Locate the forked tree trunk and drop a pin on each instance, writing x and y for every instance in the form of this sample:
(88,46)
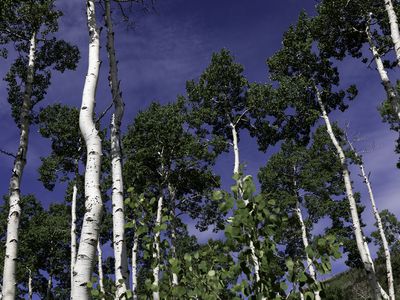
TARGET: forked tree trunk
(93,203)
(100,268)
(134,266)
(121,262)
(389,272)
(157,251)
(377,291)
(10,259)
(392,94)
(236,170)
(394,28)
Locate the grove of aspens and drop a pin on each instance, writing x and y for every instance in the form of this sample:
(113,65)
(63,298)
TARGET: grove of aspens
(155,199)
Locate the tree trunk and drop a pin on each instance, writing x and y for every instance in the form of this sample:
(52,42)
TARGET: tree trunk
(10,259)
(363,249)
(134,266)
(171,191)
(394,28)
(121,262)
(392,94)
(93,203)
(30,289)
(389,272)
(157,252)
(236,170)
(73,229)
(49,287)
(100,269)
(305,244)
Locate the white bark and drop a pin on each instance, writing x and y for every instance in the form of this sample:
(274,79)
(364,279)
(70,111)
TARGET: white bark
(121,262)
(100,268)
(49,286)
(156,246)
(10,259)
(30,289)
(236,165)
(392,94)
(305,244)
(93,203)
(389,272)
(134,266)
(171,191)
(394,28)
(73,230)
(363,249)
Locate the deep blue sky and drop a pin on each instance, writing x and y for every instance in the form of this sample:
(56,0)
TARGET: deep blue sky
(174,44)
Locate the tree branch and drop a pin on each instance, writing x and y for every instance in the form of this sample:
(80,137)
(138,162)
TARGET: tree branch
(8,153)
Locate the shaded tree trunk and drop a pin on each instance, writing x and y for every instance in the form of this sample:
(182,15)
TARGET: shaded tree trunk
(30,289)
(157,251)
(392,94)
(171,191)
(389,272)
(73,229)
(236,170)
(93,203)
(394,28)
(121,262)
(134,266)
(11,256)
(377,291)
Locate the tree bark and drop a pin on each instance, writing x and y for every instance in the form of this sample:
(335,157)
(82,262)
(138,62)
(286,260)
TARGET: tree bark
(93,203)
(236,170)
(134,266)
(49,287)
(100,268)
(121,262)
(156,246)
(171,191)
(10,259)
(392,94)
(363,248)
(394,28)
(30,289)
(73,230)
(389,272)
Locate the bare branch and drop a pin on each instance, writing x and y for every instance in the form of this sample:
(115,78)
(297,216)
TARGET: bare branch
(8,153)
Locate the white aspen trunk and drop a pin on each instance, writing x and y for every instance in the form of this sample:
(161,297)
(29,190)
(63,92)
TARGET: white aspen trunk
(100,268)
(134,266)
(49,286)
(254,257)
(117,198)
(363,249)
(157,252)
(305,244)
(391,91)
(171,191)
(30,289)
(73,230)
(10,259)
(93,203)
(389,272)
(394,28)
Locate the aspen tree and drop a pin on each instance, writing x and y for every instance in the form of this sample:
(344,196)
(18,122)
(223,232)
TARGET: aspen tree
(94,206)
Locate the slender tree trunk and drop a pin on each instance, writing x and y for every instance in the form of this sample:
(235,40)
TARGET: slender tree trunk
(30,289)
(394,28)
(121,262)
(378,293)
(392,94)
(100,268)
(10,259)
(73,229)
(171,191)
(236,170)
(389,272)
(91,221)
(305,244)
(49,287)
(157,251)
(134,266)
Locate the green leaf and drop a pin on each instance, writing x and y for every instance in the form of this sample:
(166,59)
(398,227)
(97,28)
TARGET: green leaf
(211,273)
